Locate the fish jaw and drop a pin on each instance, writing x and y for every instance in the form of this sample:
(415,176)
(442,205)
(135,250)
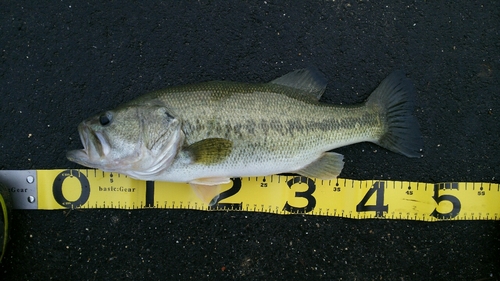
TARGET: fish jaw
(95,147)
(78,156)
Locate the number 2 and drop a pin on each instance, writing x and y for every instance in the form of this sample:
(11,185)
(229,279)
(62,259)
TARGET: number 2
(214,203)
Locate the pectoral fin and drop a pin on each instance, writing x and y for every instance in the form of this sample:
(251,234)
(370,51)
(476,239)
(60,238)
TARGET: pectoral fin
(210,151)
(326,167)
(208,189)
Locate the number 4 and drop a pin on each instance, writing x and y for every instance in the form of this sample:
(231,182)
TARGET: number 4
(379,208)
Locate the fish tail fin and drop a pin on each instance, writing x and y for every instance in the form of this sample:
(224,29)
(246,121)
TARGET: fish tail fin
(395,100)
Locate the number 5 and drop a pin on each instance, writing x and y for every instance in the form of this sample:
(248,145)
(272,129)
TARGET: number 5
(454,200)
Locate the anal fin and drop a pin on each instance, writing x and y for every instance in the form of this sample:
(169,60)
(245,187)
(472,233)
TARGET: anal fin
(208,189)
(327,167)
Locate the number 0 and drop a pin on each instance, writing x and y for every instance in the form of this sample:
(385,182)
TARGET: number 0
(58,193)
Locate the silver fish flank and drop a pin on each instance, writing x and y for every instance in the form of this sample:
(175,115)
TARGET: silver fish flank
(207,133)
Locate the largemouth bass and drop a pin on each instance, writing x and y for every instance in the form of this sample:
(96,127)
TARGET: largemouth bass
(207,133)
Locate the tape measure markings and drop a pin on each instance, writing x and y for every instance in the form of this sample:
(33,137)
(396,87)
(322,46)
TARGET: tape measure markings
(277,194)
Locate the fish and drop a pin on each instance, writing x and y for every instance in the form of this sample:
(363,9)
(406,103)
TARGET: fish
(205,134)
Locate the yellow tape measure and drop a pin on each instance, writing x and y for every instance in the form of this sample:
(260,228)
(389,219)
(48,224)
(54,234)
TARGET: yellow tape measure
(356,199)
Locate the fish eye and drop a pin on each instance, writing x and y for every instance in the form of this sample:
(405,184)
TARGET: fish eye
(106,118)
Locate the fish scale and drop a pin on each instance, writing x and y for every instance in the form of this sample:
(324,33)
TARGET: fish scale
(209,132)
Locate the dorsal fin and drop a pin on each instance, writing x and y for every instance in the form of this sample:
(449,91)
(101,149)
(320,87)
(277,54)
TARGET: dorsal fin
(309,80)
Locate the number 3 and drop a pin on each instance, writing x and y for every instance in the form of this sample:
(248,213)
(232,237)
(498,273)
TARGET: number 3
(311,201)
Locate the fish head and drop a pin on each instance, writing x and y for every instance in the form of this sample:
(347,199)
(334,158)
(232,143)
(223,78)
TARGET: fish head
(139,141)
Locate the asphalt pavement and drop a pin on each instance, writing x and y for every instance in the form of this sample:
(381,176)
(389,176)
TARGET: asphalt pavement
(62,61)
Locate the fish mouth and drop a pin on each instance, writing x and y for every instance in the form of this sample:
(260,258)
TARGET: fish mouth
(95,147)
